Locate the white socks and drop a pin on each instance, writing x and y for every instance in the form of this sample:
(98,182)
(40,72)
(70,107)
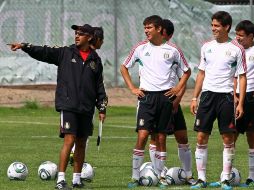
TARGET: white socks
(251,164)
(160,159)
(201,160)
(152,150)
(228,157)
(61,176)
(76,178)
(184,154)
(138,158)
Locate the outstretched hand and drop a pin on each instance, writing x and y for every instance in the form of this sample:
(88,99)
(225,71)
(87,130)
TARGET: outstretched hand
(15,46)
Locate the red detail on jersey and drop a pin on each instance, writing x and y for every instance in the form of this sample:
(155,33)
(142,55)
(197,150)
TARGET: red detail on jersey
(207,41)
(84,54)
(133,50)
(243,53)
(180,52)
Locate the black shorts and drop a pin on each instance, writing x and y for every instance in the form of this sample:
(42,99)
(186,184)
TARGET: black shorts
(177,122)
(154,111)
(214,105)
(80,125)
(246,123)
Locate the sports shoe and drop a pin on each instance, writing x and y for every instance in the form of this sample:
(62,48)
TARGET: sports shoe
(249,183)
(162,184)
(71,159)
(190,180)
(62,185)
(78,185)
(225,185)
(215,184)
(199,184)
(134,183)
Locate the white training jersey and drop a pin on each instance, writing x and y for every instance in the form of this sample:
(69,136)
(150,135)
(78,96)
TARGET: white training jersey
(159,66)
(249,53)
(221,61)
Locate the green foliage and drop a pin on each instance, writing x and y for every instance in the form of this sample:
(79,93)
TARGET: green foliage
(31,104)
(31,136)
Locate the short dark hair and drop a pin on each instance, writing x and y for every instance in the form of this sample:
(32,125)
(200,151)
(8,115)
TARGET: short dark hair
(246,25)
(224,18)
(97,34)
(154,19)
(168,26)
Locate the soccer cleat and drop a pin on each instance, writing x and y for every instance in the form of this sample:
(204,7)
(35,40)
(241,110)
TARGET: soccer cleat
(190,180)
(162,184)
(78,185)
(215,184)
(225,185)
(249,183)
(199,184)
(62,185)
(71,159)
(134,183)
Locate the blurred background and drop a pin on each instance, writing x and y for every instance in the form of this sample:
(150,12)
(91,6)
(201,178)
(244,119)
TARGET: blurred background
(48,22)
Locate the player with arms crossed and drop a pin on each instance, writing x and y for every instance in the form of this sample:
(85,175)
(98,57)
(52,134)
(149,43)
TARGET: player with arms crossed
(158,61)
(79,89)
(244,35)
(220,59)
(177,125)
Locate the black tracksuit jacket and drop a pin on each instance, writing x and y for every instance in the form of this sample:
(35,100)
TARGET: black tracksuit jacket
(80,84)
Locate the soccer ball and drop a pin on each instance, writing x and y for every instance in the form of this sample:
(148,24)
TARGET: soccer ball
(146,165)
(235,177)
(87,172)
(148,177)
(17,171)
(176,176)
(47,170)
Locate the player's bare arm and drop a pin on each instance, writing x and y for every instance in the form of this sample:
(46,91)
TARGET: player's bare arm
(236,99)
(178,99)
(175,90)
(242,83)
(197,90)
(134,90)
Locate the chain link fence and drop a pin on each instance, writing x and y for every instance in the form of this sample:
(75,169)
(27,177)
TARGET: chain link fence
(49,22)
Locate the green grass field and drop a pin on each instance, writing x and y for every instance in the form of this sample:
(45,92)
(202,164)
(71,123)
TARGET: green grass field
(31,136)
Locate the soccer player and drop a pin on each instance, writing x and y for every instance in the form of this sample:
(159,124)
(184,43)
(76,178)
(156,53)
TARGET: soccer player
(177,124)
(158,61)
(79,89)
(244,35)
(96,43)
(220,59)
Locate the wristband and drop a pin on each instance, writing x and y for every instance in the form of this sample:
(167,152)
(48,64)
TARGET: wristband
(194,99)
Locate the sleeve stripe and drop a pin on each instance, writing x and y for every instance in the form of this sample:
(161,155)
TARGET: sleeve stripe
(132,52)
(180,52)
(243,54)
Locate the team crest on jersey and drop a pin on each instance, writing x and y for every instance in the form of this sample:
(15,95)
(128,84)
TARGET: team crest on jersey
(141,122)
(67,125)
(166,55)
(92,65)
(228,53)
(73,60)
(251,58)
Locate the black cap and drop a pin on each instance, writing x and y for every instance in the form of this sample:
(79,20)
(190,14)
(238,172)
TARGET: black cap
(86,28)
